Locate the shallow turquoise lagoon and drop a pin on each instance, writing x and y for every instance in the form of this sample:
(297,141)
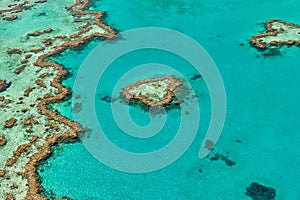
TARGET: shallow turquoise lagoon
(263,108)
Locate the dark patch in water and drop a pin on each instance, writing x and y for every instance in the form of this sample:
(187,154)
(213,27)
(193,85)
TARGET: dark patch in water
(77,108)
(41,14)
(238,141)
(115,39)
(107,99)
(219,156)
(86,132)
(195,77)
(174,104)
(259,192)
(272,53)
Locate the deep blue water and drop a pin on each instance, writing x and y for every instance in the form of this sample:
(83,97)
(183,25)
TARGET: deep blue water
(263,108)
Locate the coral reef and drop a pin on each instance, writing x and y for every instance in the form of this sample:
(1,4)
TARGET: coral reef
(9,12)
(152,92)
(20,178)
(2,140)
(278,33)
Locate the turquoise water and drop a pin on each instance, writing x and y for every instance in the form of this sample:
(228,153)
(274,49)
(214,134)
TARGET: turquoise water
(263,108)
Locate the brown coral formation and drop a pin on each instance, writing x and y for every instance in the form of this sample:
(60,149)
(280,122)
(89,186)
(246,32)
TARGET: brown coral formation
(38,33)
(61,37)
(172,85)
(13,186)
(14,51)
(19,69)
(27,121)
(2,140)
(11,161)
(43,75)
(49,30)
(257,40)
(28,91)
(40,1)
(47,42)
(24,61)
(28,56)
(10,197)
(35,33)
(21,149)
(10,123)
(2,173)
(40,83)
(37,50)
(15,8)
(31,166)
(11,18)
(24,110)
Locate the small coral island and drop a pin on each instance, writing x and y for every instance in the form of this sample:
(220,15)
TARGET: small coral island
(153,91)
(278,33)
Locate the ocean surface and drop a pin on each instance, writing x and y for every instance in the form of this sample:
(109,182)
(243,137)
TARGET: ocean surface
(261,132)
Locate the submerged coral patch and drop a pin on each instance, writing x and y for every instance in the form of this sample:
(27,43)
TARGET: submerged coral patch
(219,156)
(259,192)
